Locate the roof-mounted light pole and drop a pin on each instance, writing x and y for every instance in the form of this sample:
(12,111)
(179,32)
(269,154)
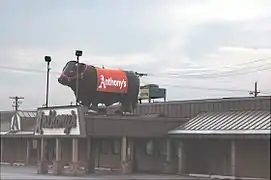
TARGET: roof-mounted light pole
(78,53)
(47,60)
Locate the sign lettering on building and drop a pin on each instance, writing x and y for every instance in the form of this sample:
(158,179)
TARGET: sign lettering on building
(58,121)
(112,80)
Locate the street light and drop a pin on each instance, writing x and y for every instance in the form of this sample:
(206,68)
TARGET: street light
(78,53)
(48,60)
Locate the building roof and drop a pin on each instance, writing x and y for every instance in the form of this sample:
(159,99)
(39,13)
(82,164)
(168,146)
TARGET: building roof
(5,120)
(26,114)
(225,99)
(26,121)
(191,108)
(231,122)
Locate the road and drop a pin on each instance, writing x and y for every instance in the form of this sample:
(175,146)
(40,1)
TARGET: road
(11,172)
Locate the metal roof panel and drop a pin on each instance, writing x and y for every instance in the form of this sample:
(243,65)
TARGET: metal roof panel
(231,122)
(27,114)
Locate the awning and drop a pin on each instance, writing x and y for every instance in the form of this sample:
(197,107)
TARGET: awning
(227,123)
(130,126)
(17,134)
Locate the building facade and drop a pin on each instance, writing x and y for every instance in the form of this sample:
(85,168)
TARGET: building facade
(225,137)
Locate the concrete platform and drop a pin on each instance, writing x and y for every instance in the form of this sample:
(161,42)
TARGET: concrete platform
(23,172)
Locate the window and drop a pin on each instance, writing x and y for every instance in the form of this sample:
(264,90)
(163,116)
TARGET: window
(34,144)
(105,146)
(162,147)
(149,148)
(116,146)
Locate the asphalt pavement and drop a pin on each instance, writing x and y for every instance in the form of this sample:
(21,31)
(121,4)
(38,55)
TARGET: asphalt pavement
(23,172)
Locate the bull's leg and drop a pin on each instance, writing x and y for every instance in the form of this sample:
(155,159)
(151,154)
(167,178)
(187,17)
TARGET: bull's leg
(123,107)
(86,104)
(134,105)
(94,106)
(131,108)
(127,107)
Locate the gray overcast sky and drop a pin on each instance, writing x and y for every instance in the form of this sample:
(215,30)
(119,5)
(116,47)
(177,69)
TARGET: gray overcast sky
(190,38)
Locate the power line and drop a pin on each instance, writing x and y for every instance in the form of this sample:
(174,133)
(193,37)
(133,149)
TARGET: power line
(243,71)
(241,64)
(219,74)
(210,88)
(237,65)
(178,75)
(255,61)
(21,69)
(179,86)
(18,68)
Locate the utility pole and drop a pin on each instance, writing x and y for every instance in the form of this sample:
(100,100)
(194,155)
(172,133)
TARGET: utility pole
(14,123)
(255,92)
(16,102)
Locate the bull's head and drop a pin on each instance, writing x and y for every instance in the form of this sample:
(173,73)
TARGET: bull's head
(69,74)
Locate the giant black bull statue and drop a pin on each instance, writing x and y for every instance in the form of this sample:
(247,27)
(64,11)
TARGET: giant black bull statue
(100,85)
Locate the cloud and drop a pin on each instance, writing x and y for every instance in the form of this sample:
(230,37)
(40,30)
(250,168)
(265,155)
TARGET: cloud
(228,68)
(223,10)
(241,56)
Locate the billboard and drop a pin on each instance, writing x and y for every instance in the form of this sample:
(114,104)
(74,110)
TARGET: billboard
(60,121)
(111,80)
(151,91)
(144,93)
